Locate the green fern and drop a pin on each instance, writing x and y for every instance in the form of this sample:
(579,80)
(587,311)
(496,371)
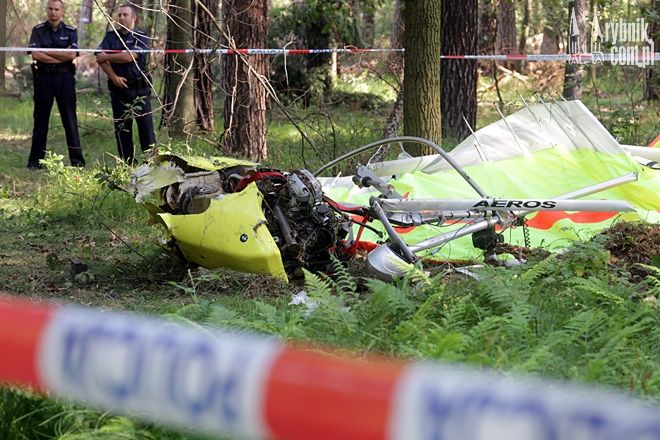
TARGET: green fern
(317,286)
(540,269)
(343,280)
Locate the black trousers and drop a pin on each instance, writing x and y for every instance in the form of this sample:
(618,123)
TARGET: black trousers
(129,104)
(60,87)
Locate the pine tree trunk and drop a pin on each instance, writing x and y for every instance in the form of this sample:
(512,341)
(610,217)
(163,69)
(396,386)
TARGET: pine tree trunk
(369,33)
(524,28)
(395,59)
(84,19)
(245,103)
(3,42)
(506,30)
(421,78)
(652,83)
(487,32)
(576,44)
(395,65)
(458,77)
(203,74)
(179,102)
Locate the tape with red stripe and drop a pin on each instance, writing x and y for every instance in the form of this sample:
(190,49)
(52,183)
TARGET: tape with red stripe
(237,384)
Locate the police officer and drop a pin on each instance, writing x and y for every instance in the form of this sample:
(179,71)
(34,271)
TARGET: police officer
(54,80)
(128,82)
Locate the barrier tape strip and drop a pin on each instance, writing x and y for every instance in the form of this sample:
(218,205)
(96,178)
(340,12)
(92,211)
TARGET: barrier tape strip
(584,57)
(244,385)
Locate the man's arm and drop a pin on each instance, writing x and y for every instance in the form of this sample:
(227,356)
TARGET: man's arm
(118,81)
(61,56)
(40,55)
(44,57)
(117,57)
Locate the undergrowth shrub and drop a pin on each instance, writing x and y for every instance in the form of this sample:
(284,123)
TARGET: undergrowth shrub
(566,317)
(26,415)
(77,196)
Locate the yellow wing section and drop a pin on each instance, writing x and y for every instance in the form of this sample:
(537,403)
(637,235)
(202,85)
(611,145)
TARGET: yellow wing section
(231,233)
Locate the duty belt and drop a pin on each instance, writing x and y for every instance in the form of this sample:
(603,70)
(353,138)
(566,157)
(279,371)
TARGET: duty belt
(52,69)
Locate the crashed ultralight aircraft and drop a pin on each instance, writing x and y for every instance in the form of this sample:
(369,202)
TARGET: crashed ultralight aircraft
(545,176)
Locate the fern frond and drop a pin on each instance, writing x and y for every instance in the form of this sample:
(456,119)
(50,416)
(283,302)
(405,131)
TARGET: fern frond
(317,286)
(597,288)
(541,268)
(344,281)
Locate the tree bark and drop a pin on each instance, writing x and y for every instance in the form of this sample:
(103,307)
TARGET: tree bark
(421,79)
(506,30)
(487,32)
(395,65)
(574,71)
(395,59)
(652,83)
(369,32)
(84,18)
(179,103)
(524,27)
(3,41)
(458,77)
(245,104)
(203,74)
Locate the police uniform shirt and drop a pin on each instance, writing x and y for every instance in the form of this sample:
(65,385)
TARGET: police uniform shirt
(133,40)
(43,36)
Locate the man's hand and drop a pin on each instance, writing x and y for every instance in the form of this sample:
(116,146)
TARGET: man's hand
(102,57)
(120,82)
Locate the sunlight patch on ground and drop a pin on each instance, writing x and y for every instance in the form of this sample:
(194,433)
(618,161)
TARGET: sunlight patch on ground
(6,135)
(10,140)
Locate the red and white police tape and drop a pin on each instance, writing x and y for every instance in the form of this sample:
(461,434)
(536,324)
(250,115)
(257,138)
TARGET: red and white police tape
(620,57)
(249,386)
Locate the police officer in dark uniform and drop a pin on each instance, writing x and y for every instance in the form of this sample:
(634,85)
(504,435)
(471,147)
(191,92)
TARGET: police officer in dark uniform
(54,80)
(128,81)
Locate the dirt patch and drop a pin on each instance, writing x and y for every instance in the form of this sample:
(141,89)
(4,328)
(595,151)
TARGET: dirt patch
(632,244)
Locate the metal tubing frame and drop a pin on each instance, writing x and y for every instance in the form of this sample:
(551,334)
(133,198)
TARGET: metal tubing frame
(418,140)
(483,224)
(394,237)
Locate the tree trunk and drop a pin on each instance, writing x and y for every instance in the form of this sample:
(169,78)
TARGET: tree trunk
(203,75)
(369,32)
(246,24)
(3,41)
(84,18)
(396,36)
(109,6)
(487,26)
(458,77)
(487,32)
(421,78)
(395,65)
(317,35)
(524,28)
(506,30)
(576,44)
(652,83)
(179,102)
(395,59)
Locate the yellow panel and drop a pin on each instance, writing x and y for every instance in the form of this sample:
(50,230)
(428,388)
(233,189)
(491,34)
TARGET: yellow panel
(231,233)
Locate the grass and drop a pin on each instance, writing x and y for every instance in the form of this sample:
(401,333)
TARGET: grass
(51,220)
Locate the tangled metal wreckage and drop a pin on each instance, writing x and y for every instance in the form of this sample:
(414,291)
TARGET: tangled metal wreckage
(543,176)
